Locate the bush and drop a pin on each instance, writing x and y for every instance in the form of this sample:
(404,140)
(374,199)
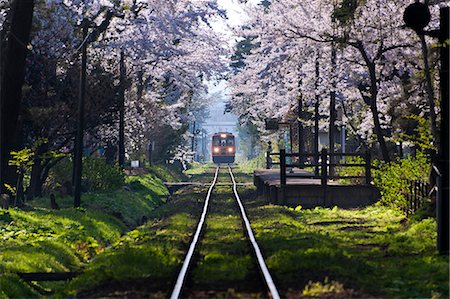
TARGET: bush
(100,176)
(390,178)
(97,174)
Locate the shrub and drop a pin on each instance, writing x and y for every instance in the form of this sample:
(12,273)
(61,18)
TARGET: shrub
(97,175)
(390,178)
(100,176)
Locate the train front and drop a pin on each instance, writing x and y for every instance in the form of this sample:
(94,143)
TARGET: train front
(223,148)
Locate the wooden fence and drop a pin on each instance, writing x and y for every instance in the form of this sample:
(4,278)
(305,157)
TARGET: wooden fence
(323,163)
(416,194)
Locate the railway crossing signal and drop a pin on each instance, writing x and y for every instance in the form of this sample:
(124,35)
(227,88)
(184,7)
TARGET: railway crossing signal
(417,16)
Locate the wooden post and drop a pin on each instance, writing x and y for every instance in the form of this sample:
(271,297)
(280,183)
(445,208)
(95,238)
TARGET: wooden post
(368,166)
(283,167)
(324,166)
(268,158)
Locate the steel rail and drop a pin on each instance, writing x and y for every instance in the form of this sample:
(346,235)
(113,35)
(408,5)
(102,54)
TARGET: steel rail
(262,264)
(182,275)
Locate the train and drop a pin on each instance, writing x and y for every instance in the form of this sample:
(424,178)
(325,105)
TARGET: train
(223,148)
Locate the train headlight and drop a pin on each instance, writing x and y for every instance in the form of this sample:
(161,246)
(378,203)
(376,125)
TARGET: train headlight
(216,149)
(230,150)
(223,135)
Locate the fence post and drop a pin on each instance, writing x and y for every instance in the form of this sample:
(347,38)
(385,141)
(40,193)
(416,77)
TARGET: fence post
(368,166)
(283,167)
(268,158)
(324,166)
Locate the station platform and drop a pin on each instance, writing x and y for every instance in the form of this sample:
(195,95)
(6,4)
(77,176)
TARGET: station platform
(303,189)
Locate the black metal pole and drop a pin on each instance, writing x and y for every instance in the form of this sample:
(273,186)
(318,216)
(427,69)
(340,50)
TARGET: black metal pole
(78,150)
(443,200)
(122,110)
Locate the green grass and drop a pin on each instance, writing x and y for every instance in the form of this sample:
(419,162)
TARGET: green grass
(128,204)
(248,166)
(167,173)
(368,251)
(40,239)
(153,251)
(224,254)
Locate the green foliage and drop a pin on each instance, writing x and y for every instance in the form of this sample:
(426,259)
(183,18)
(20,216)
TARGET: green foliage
(248,166)
(390,178)
(345,12)
(167,173)
(352,170)
(97,174)
(419,238)
(421,137)
(129,204)
(317,289)
(11,286)
(100,176)
(22,159)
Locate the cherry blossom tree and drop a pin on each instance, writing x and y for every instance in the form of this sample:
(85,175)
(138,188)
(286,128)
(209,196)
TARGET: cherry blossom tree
(375,61)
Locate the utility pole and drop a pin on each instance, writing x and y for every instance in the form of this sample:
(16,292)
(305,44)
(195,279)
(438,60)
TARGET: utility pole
(78,153)
(443,201)
(122,74)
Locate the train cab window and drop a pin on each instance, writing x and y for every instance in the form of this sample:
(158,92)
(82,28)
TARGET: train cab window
(230,141)
(216,141)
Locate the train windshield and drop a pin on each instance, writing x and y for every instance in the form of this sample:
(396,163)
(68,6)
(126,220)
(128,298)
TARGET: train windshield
(218,141)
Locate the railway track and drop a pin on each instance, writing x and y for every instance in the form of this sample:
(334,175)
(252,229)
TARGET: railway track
(189,265)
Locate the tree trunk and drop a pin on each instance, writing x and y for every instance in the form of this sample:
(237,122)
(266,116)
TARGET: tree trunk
(373,102)
(36,171)
(12,76)
(332,126)
(35,178)
(430,91)
(122,111)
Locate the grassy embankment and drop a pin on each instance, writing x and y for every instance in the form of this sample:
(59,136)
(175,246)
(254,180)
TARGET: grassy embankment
(40,239)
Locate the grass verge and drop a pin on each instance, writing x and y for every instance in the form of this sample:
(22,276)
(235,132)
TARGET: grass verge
(357,253)
(40,239)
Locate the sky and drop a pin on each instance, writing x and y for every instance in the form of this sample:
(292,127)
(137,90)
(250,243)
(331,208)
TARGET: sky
(218,121)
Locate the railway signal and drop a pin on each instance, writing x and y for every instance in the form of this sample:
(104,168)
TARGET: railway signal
(417,16)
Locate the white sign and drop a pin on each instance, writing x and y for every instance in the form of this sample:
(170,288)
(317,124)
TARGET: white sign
(135,163)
